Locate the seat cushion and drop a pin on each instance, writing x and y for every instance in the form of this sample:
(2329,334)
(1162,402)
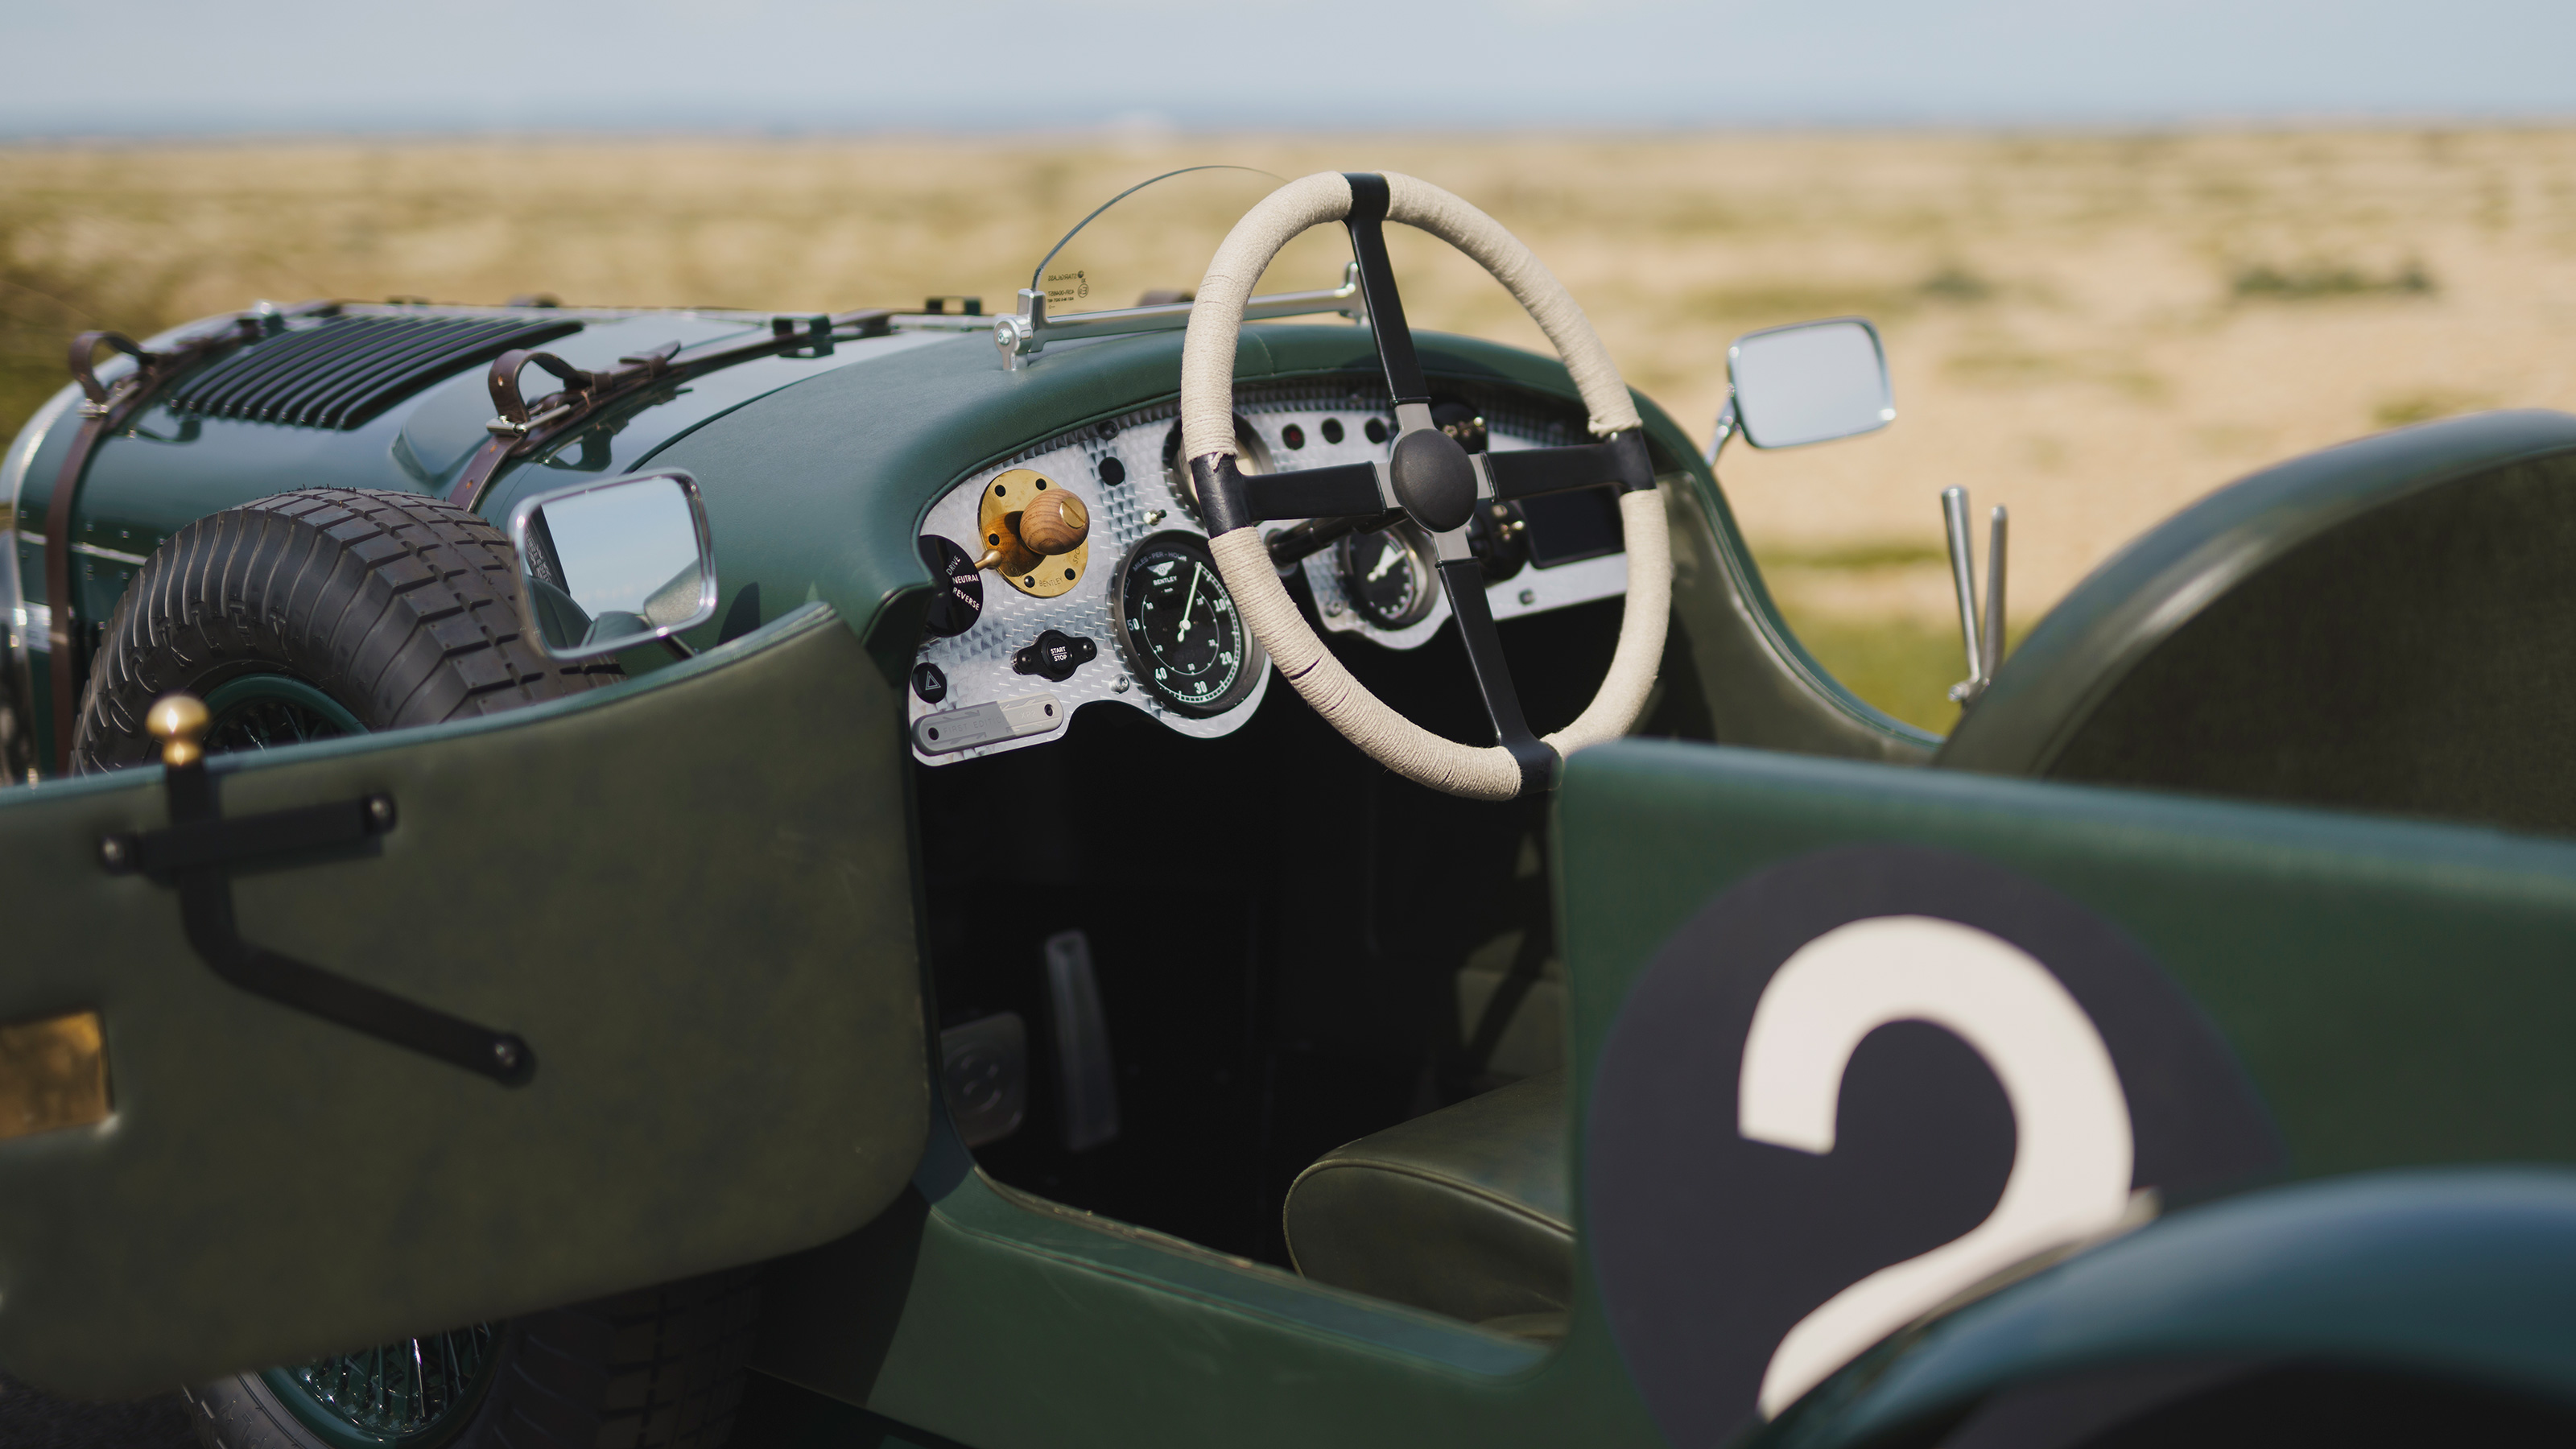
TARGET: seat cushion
(1462,1211)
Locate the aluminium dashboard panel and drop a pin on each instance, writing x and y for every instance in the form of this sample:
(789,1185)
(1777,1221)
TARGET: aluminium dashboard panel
(977,664)
(985,706)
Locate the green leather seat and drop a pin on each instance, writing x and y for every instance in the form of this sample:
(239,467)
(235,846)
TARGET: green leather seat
(1464,1211)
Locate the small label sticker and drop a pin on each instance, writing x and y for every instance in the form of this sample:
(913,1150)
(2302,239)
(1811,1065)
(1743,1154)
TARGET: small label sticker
(1067,287)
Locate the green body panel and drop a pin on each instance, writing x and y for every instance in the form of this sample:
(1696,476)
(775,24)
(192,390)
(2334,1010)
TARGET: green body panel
(2401,994)
(2463,1274)
(815,491)
(680,891)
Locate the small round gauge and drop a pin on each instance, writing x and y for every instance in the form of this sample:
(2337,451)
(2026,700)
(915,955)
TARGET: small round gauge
(1387,576)
(1177,625)
(1251,455)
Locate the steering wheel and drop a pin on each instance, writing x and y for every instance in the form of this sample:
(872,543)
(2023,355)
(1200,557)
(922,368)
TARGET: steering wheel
(1428,478)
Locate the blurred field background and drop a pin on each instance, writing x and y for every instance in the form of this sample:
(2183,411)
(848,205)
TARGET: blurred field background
(2091,329)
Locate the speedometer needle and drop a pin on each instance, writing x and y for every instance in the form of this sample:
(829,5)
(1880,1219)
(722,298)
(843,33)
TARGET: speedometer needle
(1192,602)
(1385,561)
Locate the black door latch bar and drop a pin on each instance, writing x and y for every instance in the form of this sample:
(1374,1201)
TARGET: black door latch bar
(196,854)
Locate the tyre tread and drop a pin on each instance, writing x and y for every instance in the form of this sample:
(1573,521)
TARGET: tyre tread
(402,607)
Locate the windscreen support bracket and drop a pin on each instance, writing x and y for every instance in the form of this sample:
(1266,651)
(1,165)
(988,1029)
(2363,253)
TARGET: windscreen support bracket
(1022,334)
(197,853)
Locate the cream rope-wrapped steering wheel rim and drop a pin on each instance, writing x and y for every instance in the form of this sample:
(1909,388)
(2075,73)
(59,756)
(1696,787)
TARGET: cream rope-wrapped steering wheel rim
(1490,772)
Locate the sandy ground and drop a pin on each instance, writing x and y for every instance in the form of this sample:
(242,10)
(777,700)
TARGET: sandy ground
(2092,330)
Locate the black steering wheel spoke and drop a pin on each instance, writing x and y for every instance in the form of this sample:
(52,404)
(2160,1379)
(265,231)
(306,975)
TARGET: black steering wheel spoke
(1230,498)
(1367,226)
(1463,580)
(1293,545)
(1620,461)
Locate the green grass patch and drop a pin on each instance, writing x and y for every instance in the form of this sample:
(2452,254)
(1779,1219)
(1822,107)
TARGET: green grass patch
(1902,667)
(1783,301)
(2316,281)
(1866,554)
(2009,367)
(1956,284)
(2423,407)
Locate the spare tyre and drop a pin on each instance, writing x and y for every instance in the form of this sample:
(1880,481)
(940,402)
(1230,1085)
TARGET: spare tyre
(322,612)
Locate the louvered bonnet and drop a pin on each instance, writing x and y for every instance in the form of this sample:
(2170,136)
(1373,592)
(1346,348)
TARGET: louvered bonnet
(343,370)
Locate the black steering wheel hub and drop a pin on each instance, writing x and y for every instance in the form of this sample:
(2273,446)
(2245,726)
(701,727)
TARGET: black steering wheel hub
(1433,479)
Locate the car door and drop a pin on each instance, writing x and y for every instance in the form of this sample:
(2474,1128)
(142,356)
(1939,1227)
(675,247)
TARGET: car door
(688,898)
(1855,1044)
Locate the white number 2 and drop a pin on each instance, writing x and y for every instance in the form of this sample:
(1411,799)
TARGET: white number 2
(2073,1153)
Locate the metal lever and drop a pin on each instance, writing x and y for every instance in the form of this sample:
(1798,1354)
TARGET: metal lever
(1982,637)
(1053,522)
(1998,525)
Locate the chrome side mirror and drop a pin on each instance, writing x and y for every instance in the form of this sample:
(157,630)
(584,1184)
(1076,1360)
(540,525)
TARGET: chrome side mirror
(1811,382)
(608,566)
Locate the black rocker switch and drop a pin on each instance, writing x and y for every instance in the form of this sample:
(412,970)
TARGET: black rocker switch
(1055,655)
(929,683)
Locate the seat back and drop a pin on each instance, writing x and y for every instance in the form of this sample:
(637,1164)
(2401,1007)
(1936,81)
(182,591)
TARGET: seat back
(2386,625)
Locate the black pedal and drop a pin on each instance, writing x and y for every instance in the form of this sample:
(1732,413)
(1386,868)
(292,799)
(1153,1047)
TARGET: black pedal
(1086,1075)
(984,1070)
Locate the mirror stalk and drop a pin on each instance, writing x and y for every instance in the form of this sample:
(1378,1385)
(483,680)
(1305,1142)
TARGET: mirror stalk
(1725,427)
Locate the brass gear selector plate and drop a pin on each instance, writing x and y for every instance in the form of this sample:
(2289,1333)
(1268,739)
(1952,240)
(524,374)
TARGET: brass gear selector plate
(998,518)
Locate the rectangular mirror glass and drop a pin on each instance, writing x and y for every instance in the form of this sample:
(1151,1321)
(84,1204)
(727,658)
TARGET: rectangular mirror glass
(608,566)
(1810,383)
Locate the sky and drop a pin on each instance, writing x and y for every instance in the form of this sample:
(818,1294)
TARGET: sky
(161,67)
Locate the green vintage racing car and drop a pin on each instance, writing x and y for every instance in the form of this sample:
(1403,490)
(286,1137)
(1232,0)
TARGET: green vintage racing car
(1199,873)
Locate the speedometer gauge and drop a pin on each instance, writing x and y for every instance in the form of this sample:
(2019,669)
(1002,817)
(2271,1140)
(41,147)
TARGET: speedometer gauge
(1177,625)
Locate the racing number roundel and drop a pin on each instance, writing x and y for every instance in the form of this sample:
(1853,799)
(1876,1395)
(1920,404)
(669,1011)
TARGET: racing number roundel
(1861,1082)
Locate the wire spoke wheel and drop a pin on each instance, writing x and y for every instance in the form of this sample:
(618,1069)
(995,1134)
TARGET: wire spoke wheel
(411,1392)
(265,711)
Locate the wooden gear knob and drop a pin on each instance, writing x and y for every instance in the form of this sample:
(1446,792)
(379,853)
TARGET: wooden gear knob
(1054,522)
(179,722)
